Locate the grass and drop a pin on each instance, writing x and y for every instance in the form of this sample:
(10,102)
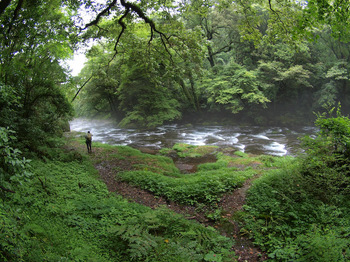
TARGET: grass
(64,212)
(186,150)
(136,160)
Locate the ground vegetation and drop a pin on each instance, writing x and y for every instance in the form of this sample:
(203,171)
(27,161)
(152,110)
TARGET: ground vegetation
(157,62)
(300,212)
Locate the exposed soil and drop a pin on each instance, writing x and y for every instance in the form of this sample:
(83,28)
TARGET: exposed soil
(230,203)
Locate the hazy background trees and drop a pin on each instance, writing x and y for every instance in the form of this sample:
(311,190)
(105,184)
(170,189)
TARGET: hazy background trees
(246,61)
(152,63)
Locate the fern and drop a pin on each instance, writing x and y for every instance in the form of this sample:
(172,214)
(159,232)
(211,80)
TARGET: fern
(139,243)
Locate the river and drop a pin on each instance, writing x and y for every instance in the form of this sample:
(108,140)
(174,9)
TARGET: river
(278,141)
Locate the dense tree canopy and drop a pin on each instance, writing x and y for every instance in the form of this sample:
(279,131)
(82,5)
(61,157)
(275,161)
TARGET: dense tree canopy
(246,57)
(188,56)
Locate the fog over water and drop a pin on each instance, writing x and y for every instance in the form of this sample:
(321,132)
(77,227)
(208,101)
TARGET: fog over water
(278,141)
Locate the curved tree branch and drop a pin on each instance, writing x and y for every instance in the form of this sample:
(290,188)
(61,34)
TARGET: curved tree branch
(87,81)
(147,20)
(122,24)
(278,17)
(6,189)
(136,9)
(103,12)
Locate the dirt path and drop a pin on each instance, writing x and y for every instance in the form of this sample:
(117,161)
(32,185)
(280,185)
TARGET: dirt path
(230,204)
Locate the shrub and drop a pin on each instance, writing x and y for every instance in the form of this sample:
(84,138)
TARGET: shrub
(326,163)
(301,211)
(13,167)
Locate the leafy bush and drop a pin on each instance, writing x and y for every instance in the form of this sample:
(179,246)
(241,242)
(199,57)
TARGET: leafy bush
(301,211)
(241,154)
(275,161)
(316,245)
(281,215)
(13,167)
(161,235)
(326,163)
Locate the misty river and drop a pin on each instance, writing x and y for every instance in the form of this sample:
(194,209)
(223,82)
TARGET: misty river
(278,141)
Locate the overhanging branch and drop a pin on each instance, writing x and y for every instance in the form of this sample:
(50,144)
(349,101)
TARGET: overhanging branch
(278,17)
(147,20)
(122,24)
(15,15)
(130,7)
(87,81)
(6,189)
(103,12)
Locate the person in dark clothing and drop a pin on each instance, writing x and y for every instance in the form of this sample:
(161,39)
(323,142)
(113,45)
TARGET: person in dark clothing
(88,139)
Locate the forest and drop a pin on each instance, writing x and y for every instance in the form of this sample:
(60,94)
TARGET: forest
(150,63)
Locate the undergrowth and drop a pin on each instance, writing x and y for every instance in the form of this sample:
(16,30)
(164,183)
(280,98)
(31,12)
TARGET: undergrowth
(137,160)
(286,220)
(202,187)
(207,185)
(301,212)
(63,212)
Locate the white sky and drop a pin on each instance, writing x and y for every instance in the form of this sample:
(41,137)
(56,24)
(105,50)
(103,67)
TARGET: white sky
(77,63)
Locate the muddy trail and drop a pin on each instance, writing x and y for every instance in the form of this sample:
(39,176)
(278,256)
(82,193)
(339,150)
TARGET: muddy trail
(230,203)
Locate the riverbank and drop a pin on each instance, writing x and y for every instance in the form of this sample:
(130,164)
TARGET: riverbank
(117,163)
(119,204)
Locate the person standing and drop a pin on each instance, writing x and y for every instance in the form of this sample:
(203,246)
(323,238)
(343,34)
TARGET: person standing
(88,139)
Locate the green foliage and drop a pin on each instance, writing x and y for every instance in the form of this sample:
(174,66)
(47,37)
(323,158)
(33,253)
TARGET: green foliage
(13,167)
(205,186)
(40,212)
(138,160)
(164,236)
(241,161)
(234,87)
(146,86)
(300,212)
(192,58)
(241,154)
(154,107)
(219,164)
(32,100)
(279,162)
(317,245)
(185,150)
(327,95)
(292,21)
(326,163)
(206,65)
(287,221)
(64,212)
